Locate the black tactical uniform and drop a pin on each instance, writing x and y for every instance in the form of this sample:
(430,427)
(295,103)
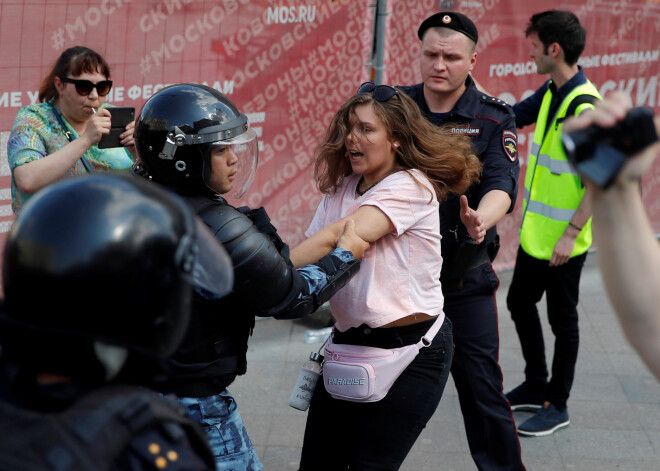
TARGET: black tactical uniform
(78,427)
(98,273)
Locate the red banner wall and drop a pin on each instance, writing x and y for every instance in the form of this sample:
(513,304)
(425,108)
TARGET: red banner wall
(290,64)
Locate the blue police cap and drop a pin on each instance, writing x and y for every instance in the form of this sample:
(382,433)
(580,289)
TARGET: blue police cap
(451,20)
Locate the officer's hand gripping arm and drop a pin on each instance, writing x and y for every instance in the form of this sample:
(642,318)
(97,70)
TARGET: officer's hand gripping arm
(263,278)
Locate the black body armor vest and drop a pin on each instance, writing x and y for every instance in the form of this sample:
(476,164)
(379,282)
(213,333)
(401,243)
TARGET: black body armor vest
(96,431)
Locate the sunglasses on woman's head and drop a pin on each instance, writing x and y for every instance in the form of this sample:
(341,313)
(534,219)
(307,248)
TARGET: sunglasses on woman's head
(379,92)
(85,87)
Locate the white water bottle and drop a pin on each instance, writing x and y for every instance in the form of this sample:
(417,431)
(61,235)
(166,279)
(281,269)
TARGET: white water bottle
(307,379)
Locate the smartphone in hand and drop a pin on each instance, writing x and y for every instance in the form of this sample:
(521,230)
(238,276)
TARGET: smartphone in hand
(120,117)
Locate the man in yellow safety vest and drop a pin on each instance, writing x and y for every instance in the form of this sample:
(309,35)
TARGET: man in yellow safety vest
(556,227)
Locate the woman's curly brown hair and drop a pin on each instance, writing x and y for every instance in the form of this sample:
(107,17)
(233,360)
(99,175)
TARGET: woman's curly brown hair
(446,159)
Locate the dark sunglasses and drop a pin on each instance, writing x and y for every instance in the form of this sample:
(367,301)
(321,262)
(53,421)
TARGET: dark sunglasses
(85,87)
(379,92)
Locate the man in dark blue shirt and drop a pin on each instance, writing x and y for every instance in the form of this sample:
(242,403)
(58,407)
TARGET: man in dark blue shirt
(448,96)
(527,111)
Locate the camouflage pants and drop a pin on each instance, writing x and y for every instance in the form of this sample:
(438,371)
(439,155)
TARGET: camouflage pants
(222,422)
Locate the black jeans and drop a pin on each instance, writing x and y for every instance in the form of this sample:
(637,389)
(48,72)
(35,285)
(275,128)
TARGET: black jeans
(343,435)
(531,278)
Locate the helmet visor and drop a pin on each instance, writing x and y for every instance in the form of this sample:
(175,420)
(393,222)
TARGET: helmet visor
(246,149)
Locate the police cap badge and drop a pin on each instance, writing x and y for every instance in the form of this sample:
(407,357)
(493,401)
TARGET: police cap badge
(452,20)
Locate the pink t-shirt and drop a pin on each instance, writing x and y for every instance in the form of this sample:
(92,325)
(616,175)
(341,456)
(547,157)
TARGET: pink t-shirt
(400,273)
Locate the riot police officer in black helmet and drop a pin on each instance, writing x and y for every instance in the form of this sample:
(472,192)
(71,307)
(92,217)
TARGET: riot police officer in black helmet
(192,139)
(97,275)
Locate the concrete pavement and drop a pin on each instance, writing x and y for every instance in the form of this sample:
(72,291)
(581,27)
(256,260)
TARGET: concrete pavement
(614,406)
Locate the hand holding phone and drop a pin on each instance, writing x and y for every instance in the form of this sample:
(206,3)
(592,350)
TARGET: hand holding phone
(121,116)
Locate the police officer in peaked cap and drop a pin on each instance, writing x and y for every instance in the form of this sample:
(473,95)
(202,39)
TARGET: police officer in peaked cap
(448,97)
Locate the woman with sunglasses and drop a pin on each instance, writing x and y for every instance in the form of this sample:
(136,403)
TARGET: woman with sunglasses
(385,166)
(57,137)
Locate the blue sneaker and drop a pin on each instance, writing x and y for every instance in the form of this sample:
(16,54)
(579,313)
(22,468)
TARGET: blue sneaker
(522,398)
(546,421)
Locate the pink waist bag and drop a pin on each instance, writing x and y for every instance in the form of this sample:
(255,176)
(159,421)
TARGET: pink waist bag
(365,374)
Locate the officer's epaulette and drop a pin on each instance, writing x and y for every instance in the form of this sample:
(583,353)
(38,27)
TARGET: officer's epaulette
(495,101)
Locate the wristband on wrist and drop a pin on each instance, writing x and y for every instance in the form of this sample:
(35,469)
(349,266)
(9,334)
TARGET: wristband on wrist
(574,226)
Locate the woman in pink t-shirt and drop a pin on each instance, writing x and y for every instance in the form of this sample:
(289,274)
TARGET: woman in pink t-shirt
(384,166)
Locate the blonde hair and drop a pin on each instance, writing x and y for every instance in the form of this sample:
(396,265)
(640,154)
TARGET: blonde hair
(446,159)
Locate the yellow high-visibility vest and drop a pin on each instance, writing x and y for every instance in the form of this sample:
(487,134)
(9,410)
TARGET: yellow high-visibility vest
(553,189)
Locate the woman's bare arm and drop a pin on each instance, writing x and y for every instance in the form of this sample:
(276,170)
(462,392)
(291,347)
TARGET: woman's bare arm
(370,224)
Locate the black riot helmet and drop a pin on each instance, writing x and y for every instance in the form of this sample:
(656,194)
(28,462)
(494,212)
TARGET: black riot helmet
(98,270)
(176,130)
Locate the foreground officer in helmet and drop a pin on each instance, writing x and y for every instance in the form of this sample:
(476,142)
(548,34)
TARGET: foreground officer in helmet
(97,277)
(192,139)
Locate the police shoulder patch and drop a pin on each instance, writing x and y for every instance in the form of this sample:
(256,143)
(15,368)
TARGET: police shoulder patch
(510,144)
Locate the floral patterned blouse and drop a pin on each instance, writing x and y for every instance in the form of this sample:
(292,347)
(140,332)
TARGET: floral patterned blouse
(38,132)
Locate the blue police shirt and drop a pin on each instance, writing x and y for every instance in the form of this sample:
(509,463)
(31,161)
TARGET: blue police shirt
(490,123)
